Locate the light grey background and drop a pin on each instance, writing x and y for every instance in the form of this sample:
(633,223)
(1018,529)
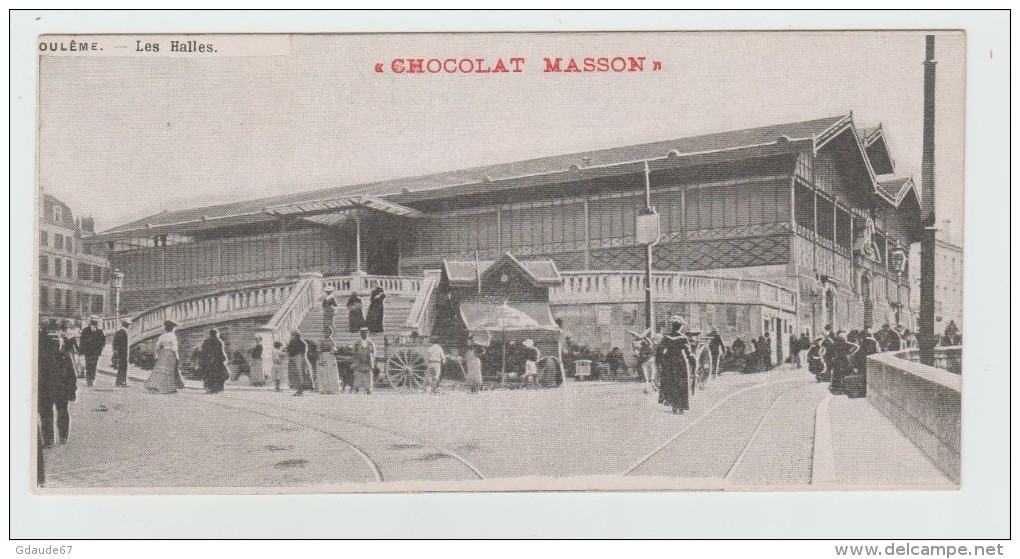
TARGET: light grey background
(116,129)
(980,509)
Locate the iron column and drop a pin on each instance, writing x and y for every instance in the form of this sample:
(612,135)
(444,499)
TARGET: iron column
(926,322)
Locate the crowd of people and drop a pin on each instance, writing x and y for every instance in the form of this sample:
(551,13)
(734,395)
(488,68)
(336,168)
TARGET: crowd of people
(610,363)
(753,355)
(840,358)
(305,365)
(68,353)
(837,357)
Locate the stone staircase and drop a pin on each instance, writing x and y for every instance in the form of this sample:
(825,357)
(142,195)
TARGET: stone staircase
(395,313)
(273,309)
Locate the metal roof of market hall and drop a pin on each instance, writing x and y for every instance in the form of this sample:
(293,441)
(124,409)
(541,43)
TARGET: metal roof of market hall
(762,141)
(897,189)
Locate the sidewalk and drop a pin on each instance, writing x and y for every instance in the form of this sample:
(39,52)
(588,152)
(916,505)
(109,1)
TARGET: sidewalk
(869,451)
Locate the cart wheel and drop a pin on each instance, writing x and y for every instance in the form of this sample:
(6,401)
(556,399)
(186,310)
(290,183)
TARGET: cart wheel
(550,371)
(692,374)
(702,366)
(407,368)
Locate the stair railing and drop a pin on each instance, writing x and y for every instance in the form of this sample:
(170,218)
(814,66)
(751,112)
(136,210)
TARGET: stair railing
(207,308)
(422,316)
(305,295)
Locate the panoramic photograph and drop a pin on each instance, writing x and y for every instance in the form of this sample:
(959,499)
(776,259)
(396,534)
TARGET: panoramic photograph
(333,263)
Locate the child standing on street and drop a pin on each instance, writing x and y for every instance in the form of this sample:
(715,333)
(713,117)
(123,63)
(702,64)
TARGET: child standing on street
(279,365)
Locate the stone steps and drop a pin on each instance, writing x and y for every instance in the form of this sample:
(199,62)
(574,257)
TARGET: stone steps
(395,315)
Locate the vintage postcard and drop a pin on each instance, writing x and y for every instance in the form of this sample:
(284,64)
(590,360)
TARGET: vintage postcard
(315,263)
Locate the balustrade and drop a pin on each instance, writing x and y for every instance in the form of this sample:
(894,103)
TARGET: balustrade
(287,302)
(619,287)
(364,284)
(300,299)
(212,307)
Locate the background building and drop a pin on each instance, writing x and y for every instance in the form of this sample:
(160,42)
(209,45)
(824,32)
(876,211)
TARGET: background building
(73,282)
(765,231)
(948,284)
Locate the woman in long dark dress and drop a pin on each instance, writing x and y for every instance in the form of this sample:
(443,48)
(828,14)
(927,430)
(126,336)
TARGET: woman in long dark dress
(816,360)
(298,369)
(869,346)
(355,313)
(842,362)
(213,361)
(672,356)
(374,318)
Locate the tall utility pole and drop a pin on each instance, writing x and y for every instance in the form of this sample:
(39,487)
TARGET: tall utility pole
(926,322)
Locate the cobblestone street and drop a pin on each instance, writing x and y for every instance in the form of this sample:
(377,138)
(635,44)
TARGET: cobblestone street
(741,430)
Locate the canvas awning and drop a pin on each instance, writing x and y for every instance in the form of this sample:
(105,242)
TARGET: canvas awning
(480,317)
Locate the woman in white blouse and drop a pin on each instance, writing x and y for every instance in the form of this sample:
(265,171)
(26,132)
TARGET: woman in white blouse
(166,376)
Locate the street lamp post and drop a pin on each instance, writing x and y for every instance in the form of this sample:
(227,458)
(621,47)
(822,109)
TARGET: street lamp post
(647,234)
(898,259)
(118,284)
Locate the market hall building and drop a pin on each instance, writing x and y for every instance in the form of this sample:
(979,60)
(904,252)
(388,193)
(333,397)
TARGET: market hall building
(777,229)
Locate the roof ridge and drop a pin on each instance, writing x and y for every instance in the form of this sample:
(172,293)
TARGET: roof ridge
(737,138)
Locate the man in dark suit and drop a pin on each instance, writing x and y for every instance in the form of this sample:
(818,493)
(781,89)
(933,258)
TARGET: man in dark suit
(93,340)
(57,386)
(120,349)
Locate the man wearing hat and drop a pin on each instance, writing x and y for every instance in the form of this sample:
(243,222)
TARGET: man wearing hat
(436,358)
(57,386)
(120,351)
(93,340)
